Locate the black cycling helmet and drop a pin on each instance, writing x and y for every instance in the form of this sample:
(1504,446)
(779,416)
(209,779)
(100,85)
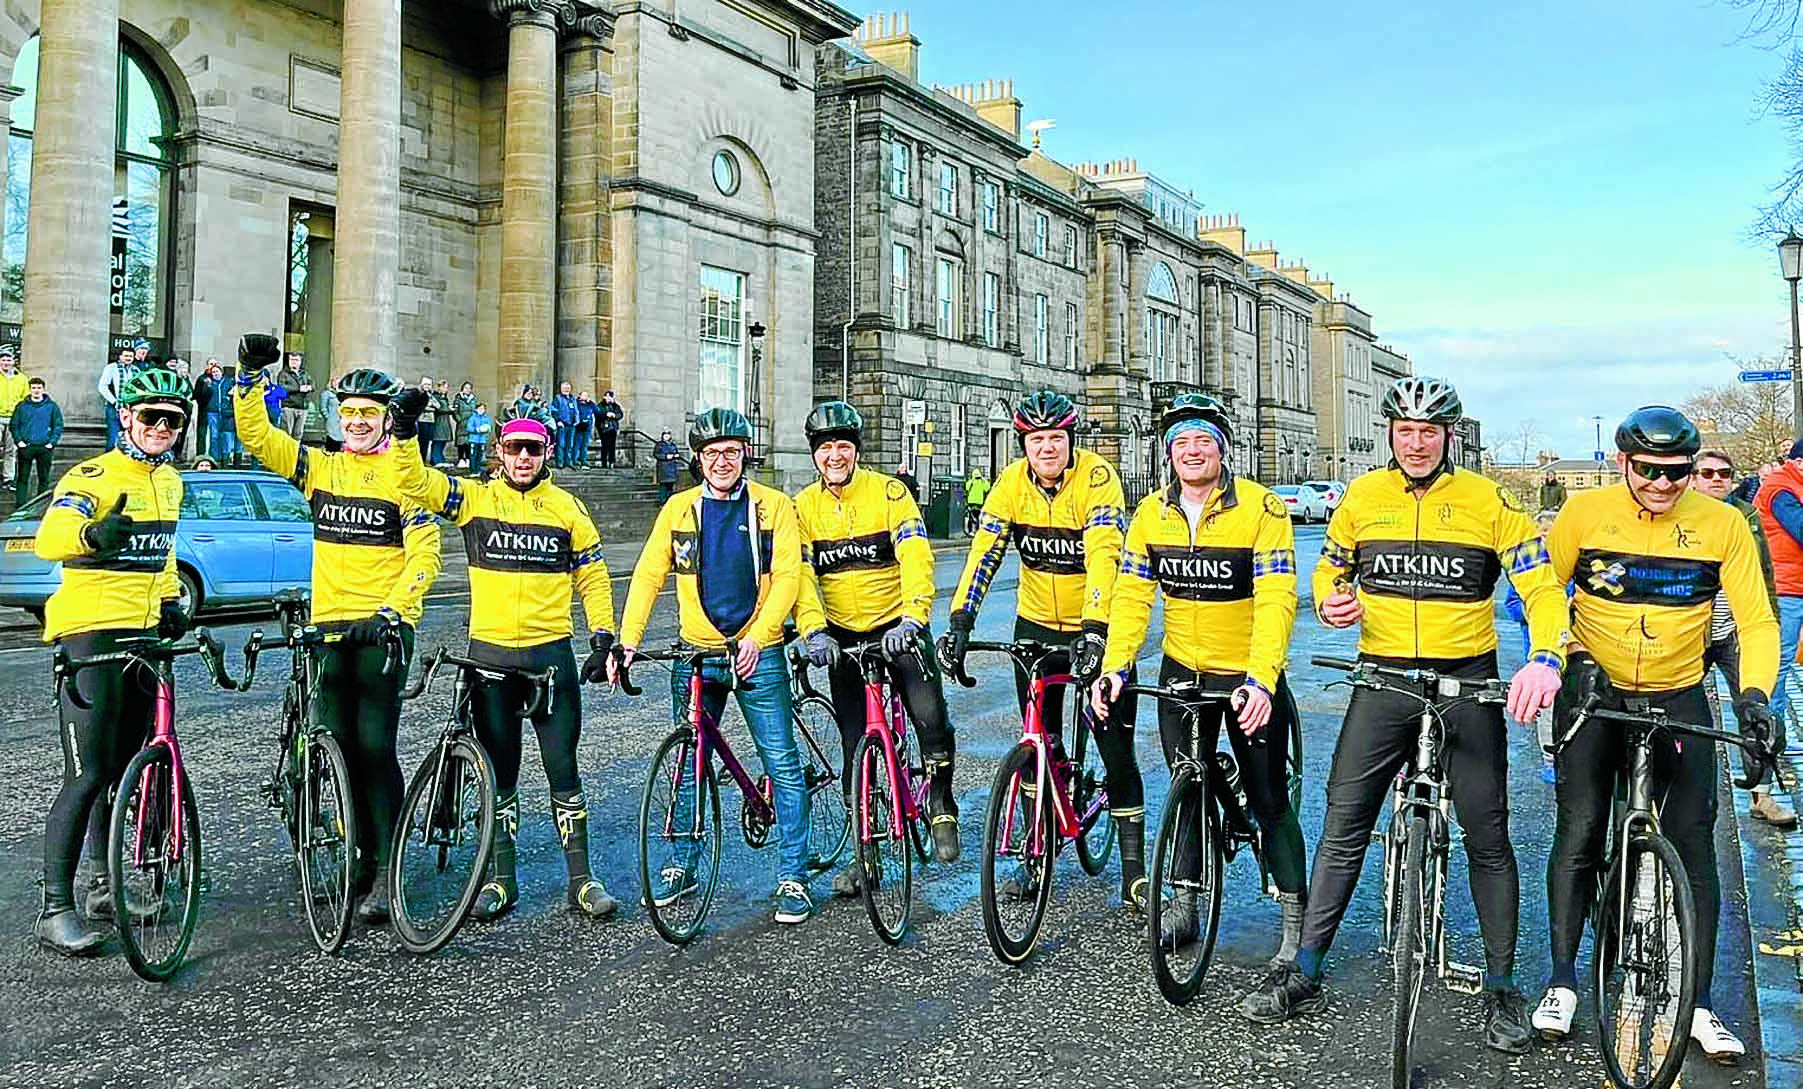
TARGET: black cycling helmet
(1197,406)
(1428,400)
(716,424)
(149,385)
(834,420)
(1047,410)
(1660,431)
(367,382)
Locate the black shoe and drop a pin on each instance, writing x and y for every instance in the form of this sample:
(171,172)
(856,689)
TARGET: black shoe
(65,932)
(946,847)
(1506,1027)
(1285,993)
(372,910)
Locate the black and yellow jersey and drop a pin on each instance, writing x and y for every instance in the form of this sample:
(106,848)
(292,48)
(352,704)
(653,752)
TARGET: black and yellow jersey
(1069,541)
(675,545)
(1229,587)
(123,589)
(1426,566)
(372,547)
(1645,586)
(526,550)
(865,560)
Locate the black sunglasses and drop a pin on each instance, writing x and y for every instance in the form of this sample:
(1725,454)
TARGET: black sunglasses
(523,446)
(1674,472)
(172,418)
(1715,474)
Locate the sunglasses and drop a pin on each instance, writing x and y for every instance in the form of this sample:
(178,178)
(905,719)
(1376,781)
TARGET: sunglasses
(1715,474)
(1674,472)
(516,447)
(172,418)
(361,412)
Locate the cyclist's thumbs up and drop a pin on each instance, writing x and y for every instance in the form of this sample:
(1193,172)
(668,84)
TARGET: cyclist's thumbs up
(111,531)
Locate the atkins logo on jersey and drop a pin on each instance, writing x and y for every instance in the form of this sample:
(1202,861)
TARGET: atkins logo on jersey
(870,552)
(1050,551)
(355,520)
(1647,580)
(1203,574)
(1427,570)
(500,546)
(146,552)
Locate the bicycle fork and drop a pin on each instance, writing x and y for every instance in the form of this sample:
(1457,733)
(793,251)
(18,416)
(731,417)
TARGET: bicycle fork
(163,733)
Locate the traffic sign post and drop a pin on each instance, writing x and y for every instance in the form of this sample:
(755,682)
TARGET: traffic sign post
(1765,376)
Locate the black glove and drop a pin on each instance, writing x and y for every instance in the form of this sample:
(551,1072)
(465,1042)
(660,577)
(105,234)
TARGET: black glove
(257,351)
(822,650)
(172,622)
(1756,719)
(370,632)
(902,639)
(955,641)
(1086,653)
(111,531)
(601,648)
(1584,680)
(405,410)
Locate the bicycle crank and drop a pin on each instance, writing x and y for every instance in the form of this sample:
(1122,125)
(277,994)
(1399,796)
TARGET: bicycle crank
(1463,978)
(755,819)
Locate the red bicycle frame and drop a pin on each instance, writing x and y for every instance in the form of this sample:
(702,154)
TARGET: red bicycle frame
(886,720)
(162,732)
(706,741)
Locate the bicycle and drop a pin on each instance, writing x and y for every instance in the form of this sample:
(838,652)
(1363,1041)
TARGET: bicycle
(829,811)
(153,855)
(1418,844)
(447,819)
(1644,967)
(1019,825)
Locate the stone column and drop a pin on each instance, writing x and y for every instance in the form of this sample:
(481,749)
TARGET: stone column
(70,220)
(529,192)
(366,257)
(1138,358)
(584,264)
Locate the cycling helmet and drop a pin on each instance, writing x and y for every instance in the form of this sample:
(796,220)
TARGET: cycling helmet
(1660,431)
(834,420)
(150,384)
(1047,410)
(369,383)
(1197,406)
(1428,400)
(716,424)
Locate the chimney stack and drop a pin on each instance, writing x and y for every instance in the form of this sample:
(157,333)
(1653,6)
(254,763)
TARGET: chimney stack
(888,40)
(994,101)
(1225,230)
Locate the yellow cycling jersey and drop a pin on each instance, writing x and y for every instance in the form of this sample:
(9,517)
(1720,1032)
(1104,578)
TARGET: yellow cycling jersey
(124,589)
(1426,566)
(865,560)
(372,547)
(1229,586)
(1069,541)
(675,545)
(526,550)
(1645,587)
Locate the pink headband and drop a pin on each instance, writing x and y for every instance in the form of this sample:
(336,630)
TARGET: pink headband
(525,429)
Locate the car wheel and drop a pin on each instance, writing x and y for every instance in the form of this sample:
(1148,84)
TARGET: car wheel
(190,596)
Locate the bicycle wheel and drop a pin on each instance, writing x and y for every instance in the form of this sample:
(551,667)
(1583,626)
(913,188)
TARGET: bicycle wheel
(907,756)
(153,863)
(1645,975)
(1020,840)
(1089,782)
(888,885)
(1295,766)
(1186,876)
(1408,951)
(829,819)
(327,849)
(442,845)
(679,844)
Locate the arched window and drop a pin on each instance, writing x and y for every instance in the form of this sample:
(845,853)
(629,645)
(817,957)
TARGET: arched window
(1162,321)
(143,120)
(1161,285)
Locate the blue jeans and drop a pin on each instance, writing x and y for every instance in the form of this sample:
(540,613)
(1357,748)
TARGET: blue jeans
(222,439)
(437,452)
(111,412)
(566,445)
(1790,623)
(769,716)
(478,455)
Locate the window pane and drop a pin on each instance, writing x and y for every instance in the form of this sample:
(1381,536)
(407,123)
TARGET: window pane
(722,340)
(25,74)
(12,254)
(901,281)
(143,112)
(221,502)
(135,297)
(284,503)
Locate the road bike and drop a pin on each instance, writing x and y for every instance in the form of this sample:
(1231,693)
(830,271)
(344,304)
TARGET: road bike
(829,809)
(1041,800)
(889,785)
(153,854)
(1418,845)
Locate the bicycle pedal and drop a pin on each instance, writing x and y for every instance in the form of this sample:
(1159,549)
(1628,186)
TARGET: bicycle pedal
(1464,978)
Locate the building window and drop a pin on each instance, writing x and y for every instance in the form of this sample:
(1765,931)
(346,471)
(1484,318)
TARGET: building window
(948,189)
(1041,228)
(992,207)
(1162,322)
(311,230)
(1070,246)
(1040,331)
(992,304)
(957,439)
(1072,355)
(722,338)
(726,173)
(901,283)
(950,320)
(901,171)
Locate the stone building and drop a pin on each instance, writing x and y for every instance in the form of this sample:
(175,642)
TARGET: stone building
(1344,390)
(1466,448)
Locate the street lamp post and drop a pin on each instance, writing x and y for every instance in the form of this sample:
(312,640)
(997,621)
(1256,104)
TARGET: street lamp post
(755,388)
(1790,263)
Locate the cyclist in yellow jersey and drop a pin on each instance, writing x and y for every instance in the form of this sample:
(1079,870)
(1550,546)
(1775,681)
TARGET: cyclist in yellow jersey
(112,526)
(1064,510)
(1646,558)
(529,543)
(1413,552)
(1221,549)
(867,575)
(375,554)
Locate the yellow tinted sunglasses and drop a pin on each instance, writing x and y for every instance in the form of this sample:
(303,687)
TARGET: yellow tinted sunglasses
(361,412)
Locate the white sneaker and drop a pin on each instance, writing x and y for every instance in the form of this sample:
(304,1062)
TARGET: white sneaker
(1557,1007)
(1708,1032)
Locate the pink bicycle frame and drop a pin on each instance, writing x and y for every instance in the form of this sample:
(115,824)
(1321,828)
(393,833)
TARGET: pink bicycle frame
(886,723)
(162,733)
(707,741)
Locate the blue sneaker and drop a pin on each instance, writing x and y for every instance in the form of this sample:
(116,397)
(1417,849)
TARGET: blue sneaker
(674,883)
(793,905)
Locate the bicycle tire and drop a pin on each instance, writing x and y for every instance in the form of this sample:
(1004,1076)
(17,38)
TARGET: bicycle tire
(888,894)
(1294,769)
(425,924)
(1408,953)
(829,817)
(139,841)
(672,925)
(906,753)
(1671,912)
(1088,780)
(1019,806)
(326,856)
(1186,810)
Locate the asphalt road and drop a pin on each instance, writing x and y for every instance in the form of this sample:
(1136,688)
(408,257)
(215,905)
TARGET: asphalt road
(542,998)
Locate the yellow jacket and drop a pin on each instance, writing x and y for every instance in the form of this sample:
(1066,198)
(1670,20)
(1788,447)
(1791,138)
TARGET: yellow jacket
(372,547)
(526,550)
(13,388)
(1426,567)
(865,560)
(1229,589)
(1069,542)
(125,589)
(1646,586)
(675,544)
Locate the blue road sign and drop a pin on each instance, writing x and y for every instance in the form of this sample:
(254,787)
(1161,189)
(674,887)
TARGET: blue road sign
(1765,376)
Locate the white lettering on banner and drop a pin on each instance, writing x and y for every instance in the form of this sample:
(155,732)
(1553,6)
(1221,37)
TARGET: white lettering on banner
(1452,567)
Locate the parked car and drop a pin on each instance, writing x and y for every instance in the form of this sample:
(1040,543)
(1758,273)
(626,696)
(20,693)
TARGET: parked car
(242,537)
(1333,490)
(1305,503)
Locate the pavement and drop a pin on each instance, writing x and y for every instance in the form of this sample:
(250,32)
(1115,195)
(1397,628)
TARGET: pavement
(544,999)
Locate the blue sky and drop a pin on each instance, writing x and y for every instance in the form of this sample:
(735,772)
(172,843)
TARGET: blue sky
(1545,202)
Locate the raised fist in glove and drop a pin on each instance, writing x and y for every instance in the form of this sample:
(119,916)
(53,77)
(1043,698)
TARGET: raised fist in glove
(903,638)
(601,648)
(822,650)
(1086,653)
(1756,719)
(371,631)
(172,622)
(256,353)
(955,641)
(111,531)
(405,410)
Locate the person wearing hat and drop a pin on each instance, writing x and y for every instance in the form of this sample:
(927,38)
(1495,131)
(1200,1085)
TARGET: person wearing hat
(375,554)
(112,527)
(14,387)
(112,377)
(608,415)
(1779,502)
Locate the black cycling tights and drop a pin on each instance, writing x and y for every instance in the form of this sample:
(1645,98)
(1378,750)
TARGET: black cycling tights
(495,707)
(1684,785)
(1377,737)
(361,706)
(106,713)
(1264,765)
(1114,735)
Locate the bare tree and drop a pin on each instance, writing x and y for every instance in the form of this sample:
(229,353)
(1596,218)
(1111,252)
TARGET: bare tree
(1776,24)
(1525,442)
(1751,420)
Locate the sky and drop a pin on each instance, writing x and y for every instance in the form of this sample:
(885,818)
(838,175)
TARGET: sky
(1547,203)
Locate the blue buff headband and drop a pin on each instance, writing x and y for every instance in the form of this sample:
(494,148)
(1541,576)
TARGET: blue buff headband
(1181,426)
